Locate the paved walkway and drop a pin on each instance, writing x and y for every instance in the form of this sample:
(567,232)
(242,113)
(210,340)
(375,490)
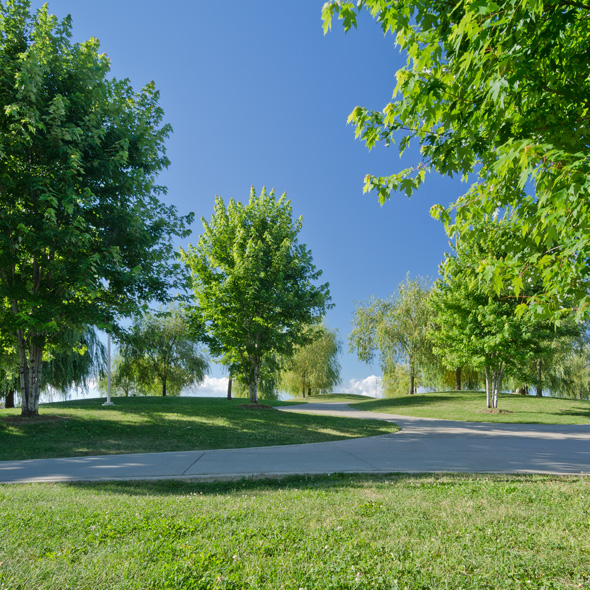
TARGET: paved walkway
(423,445)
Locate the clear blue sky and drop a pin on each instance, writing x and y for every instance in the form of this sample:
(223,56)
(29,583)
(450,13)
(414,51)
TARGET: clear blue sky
(257,95)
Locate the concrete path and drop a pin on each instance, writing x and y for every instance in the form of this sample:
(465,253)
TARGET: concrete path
(423,445)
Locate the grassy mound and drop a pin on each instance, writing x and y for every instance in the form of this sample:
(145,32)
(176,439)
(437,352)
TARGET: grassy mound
(155,424)
(470,406)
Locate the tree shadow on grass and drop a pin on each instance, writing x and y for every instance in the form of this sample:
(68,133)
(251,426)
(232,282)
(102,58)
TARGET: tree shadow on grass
(332,482)
(576,413)
(154,431)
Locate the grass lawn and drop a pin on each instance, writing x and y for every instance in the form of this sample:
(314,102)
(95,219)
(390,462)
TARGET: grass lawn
(332,398)
(338,532)
(155,424)
(471,406)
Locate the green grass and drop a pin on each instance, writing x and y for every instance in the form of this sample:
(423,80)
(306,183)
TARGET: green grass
(338,532)
(333,398)
(155,424)
(470,406)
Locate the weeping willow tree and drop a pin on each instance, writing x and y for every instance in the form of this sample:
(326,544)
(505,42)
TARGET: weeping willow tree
(79,359)
(313,367)
(162,353)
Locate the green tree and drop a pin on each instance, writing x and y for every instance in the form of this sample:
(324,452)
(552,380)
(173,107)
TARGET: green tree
(125,377)
(571,377)
(83,236)
(79,358)
(8,375)
(553,366)
(481,329)
(314,366)
(162,354)
(495,91)
(397,329)
(269,380)
(253,283)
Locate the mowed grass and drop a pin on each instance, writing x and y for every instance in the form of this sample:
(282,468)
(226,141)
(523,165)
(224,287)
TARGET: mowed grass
(333,398)
(155,424)
(471,406)
(338,532)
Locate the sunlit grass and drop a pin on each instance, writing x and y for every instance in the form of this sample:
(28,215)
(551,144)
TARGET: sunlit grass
(155,424)
(471,406)
(333,397)
(338,532)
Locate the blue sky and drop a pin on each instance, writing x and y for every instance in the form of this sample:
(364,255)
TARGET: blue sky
(257,95)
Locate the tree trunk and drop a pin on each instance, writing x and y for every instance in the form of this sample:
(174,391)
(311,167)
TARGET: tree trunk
(253,385)
(496,379)
(539,379)
(164,387)
(309,392)
(229,384)
(458,379)
(9,402)
(488,389)
(30,376)
(411,388)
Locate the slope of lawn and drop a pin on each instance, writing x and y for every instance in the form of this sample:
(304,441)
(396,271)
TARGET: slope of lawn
(333,398)
(471,406)
(341,532)
(155,424)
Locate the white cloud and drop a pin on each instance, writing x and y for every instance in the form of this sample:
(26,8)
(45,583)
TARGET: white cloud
(370,385)
(210,387)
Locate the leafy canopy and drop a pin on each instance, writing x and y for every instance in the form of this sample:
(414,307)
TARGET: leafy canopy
(314,366)
(497,92)
(84,237)
(254,283)
(396,329)
(161,354)
(481,329)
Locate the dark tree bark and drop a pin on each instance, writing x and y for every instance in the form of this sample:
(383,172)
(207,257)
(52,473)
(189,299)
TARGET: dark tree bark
(9,402)
(229,384)
(458,379)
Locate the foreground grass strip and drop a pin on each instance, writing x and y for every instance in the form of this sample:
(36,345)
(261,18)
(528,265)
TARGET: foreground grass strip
(471,407)
(414,532)
(155,424)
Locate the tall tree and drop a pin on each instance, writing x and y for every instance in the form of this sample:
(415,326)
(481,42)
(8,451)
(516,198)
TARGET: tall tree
(397,329)
(164,353)
(481,329)
(254,283)
(313,367)
(83,236)
(495,91)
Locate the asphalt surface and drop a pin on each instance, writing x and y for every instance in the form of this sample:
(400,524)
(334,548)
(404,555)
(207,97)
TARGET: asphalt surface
(422,446)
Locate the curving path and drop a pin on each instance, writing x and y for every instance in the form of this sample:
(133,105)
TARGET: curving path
(423,445)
